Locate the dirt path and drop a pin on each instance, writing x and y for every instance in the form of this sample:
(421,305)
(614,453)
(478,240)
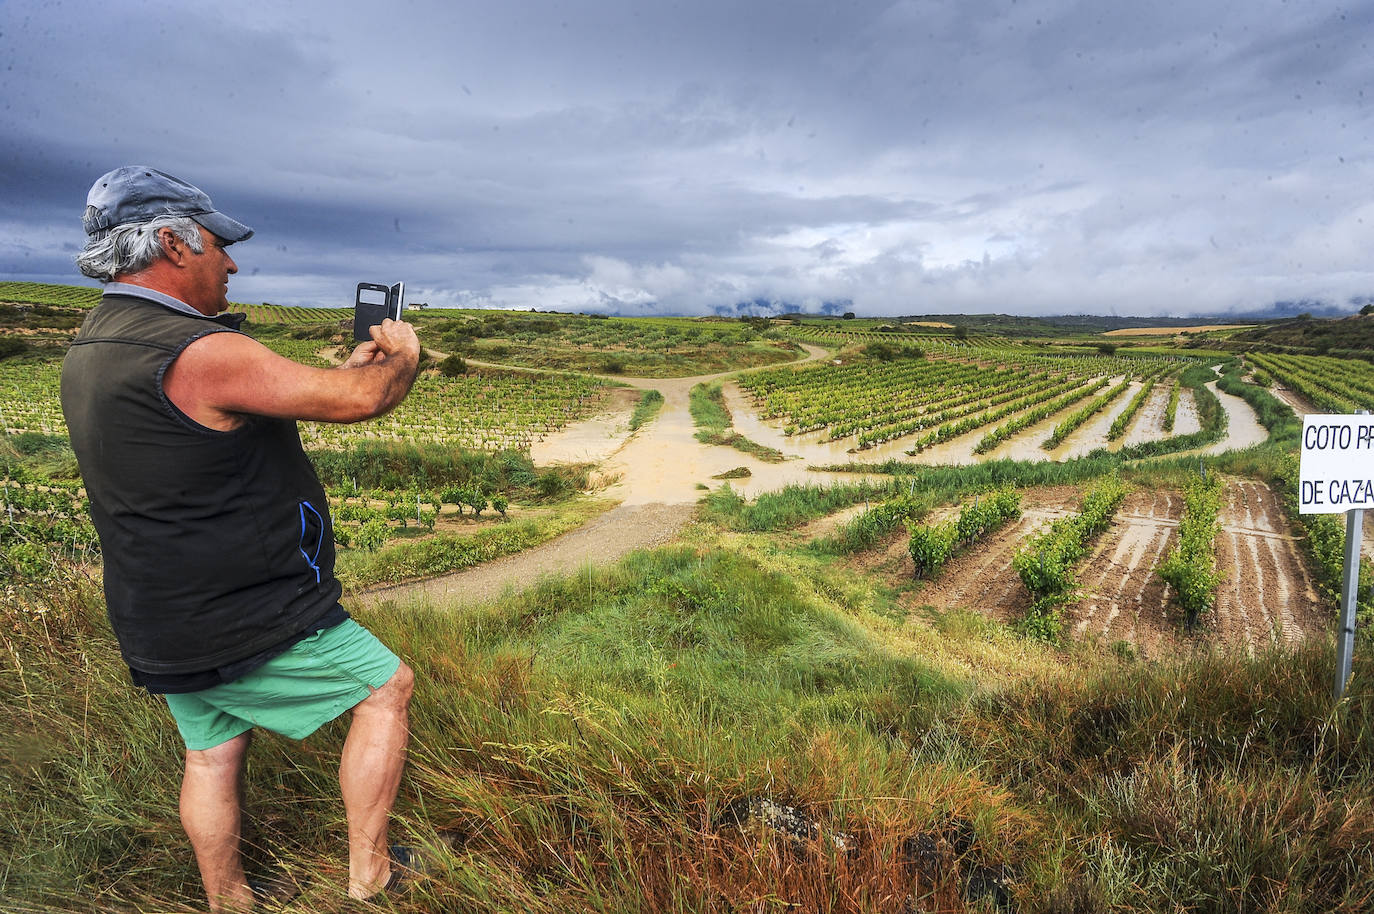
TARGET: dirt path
(664,462)
(606,539)
(1296,401)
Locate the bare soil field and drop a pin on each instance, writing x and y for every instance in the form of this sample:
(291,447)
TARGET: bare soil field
(1266,595)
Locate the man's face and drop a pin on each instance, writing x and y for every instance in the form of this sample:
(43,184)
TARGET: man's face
(209,276)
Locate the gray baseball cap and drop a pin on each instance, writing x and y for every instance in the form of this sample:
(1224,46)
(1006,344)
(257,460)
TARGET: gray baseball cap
(137,193)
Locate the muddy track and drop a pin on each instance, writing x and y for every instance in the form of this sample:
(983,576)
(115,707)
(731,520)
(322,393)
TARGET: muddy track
(1266,595)
(655,473)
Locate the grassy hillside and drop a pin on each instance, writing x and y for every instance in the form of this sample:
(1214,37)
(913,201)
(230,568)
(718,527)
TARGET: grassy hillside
(1346,336)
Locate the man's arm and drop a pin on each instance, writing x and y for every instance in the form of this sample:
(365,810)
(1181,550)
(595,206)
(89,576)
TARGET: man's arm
(222,377)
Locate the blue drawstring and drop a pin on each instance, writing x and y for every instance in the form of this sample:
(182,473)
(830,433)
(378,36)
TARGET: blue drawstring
(312,559)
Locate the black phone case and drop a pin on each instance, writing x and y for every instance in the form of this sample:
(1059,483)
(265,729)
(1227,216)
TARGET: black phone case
(365,314)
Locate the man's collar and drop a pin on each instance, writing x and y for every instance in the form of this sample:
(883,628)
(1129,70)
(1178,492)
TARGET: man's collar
(162,298)
(176,304)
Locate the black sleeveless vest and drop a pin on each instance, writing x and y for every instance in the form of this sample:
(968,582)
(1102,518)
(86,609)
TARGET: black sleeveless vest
(217,545)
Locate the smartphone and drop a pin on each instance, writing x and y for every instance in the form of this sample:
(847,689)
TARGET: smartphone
(375,303)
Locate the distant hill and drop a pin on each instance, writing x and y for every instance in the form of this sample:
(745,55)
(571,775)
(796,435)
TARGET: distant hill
(1343,336)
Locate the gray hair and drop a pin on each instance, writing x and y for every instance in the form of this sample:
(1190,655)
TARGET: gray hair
(133,247)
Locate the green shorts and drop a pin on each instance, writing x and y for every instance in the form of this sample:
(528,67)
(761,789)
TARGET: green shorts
(293,694)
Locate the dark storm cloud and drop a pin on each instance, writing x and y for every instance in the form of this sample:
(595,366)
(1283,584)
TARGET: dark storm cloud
(1014,156)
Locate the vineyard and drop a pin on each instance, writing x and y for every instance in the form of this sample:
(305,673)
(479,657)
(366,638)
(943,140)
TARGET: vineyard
(293,315)
(29,389)
(931,339)
(941,398)
(41,293)
(487,411)
(1123,591)
(43,522)
(1332,385)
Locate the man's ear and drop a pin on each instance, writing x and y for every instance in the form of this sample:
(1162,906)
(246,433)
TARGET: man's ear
(172,247)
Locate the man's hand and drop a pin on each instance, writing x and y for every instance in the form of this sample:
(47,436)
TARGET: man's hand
(364,354)
(396,338)
(388,338)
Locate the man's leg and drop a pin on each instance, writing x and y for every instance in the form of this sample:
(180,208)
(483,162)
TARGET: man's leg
(211,813)
(370,775)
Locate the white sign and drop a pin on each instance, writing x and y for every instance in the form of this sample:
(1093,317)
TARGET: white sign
(1337,469)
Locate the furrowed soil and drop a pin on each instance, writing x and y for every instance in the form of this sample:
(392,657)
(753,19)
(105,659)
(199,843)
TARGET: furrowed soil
(1266,595)
(982,578)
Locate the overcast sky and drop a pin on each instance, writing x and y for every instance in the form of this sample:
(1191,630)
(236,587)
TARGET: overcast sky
(1032,157)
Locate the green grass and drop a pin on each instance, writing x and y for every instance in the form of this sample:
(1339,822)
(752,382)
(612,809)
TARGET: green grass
(713,420)
(442,553)
(650,402)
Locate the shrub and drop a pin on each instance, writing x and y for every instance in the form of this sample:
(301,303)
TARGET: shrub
(987,514)
(371,535)
(1191,567)
(1046,563)
(931,546)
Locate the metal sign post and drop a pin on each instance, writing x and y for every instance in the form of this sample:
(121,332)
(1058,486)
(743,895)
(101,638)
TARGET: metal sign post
(1335,478)
(1350,591)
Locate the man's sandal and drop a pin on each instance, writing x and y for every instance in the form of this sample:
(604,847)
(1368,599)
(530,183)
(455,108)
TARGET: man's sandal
(406,865)
(273,890)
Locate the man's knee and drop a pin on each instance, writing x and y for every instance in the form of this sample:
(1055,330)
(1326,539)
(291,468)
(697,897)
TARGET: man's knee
(228,755)
(395,692)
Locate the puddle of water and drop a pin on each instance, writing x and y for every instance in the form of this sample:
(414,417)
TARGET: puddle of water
(811,446)
(1185,418)
(1026,444)
(1148,424)
(1243,430)
(1243,427)
(590,440)
(1092,434)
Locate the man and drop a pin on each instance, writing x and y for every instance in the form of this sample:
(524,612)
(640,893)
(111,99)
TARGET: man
(216,535)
